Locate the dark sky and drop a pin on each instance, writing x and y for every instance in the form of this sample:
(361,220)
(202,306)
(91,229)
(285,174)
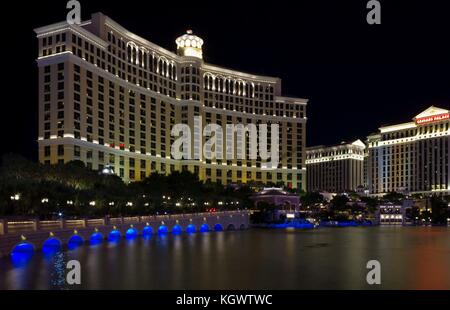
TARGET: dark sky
(356,76)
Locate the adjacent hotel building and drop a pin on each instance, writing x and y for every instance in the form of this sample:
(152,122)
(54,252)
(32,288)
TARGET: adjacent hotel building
(336,168)
(412,157)
(110,97)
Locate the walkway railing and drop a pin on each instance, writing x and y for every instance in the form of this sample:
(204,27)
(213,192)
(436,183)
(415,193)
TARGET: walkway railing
(14,227)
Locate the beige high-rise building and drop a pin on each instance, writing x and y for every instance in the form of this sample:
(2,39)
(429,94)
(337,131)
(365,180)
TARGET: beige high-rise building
(337,168)
(110,97)
(412,157)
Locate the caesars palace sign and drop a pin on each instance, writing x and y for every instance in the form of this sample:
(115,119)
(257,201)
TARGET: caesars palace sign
(433,118)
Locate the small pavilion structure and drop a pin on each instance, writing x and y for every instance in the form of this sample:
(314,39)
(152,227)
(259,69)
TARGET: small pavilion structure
(284,201)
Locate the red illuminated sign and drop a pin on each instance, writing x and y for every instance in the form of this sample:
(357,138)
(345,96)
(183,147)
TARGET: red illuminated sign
(431,119)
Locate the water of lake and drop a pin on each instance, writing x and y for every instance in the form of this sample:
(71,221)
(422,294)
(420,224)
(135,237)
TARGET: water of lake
(325,258)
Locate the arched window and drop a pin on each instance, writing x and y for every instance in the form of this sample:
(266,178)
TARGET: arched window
(129,53)
(150,62)
(163,66)
(221,85)
(216,84)
(172,71)
(227,86)
(134,56)
(155,64)
(205,82)
(140,59)
(160,67)
(143,58)
(240,88)
(132,50)
(175,77)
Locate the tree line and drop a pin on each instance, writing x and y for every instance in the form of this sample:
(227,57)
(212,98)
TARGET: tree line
(72,190)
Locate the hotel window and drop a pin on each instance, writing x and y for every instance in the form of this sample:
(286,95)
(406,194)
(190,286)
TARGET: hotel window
(60,150)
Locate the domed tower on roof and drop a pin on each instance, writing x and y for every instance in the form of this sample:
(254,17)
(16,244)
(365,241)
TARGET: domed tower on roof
(189,45)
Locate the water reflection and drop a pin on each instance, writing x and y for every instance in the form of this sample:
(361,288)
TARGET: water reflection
(411,258)
(57,268)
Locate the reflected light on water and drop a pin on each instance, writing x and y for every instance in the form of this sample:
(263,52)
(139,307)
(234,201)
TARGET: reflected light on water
(430,264)
(327,258)
(57,268)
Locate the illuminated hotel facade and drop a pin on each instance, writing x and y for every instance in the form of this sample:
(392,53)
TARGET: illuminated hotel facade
(108,97)
(411,157)
(337,168)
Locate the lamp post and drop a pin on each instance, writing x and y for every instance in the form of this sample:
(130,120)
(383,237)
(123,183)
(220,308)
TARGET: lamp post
(14,200)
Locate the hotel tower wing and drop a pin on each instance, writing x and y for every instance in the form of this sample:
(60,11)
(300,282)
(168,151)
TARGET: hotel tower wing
(411,157)
(110,98)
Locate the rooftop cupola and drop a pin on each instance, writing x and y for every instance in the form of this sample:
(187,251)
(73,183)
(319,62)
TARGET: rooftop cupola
(189,45)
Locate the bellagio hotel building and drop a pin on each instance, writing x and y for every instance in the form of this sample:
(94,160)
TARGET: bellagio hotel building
(110,98)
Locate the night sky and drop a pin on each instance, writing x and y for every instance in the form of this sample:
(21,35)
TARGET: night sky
(356,76)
